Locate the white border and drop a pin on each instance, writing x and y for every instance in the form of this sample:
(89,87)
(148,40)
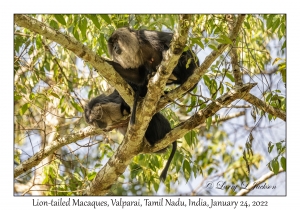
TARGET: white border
(8,8)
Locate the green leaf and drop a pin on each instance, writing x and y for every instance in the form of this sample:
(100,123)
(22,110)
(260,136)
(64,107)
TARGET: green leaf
(52,172)
(270,148)
(106,18)
(61,100)
(134,172)
(217,120)
(247,25)
(156,186)
(75,33)
(186,170)
(221,90)
(46,179)
(60,19)
(90,93)
(31,96)
(279,147)
(77,176)
(210,170)
(188,63)
(270,117)
(95,20)
(77,107)
(83,26)
(213,47)
(275,166)
(24,108)
(171,20)
(17,97)
(275,25)
(23,89)
(206,80)
(283,163)
(270,21)
(198,42)
(225,39)
(194,169)
(188,138)
(38,42)
(103,43)
(283,45)
(155,161)
(230,76)
(179,161)
(208,123)
(269,95)
(97,165)
(229,86)
(47,66)
(276,60)
(274,98)
(282,70)
(54,24)
(269,166)
(214,87)
(55,95)
(92,175)
(193,103)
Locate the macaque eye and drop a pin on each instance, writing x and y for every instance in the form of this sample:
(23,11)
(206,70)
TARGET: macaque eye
(117,49)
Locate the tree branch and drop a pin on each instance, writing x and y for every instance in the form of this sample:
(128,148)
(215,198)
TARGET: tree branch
(132,143)
(262,179)
(234,55)
(82,51)
(157,83)
(225,118)
(55,145)
(85,53)
(200,117)
(264,106)
(201,70)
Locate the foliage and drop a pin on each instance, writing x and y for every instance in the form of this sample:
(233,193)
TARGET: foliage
(52,85)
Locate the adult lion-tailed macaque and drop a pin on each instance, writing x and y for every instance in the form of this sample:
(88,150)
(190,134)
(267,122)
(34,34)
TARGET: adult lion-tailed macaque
(136,55)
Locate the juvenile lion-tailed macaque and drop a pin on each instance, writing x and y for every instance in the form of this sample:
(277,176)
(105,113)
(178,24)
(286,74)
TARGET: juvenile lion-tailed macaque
(105,111)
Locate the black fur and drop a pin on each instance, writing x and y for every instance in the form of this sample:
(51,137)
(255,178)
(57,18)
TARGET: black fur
(136,55)
(103,111)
